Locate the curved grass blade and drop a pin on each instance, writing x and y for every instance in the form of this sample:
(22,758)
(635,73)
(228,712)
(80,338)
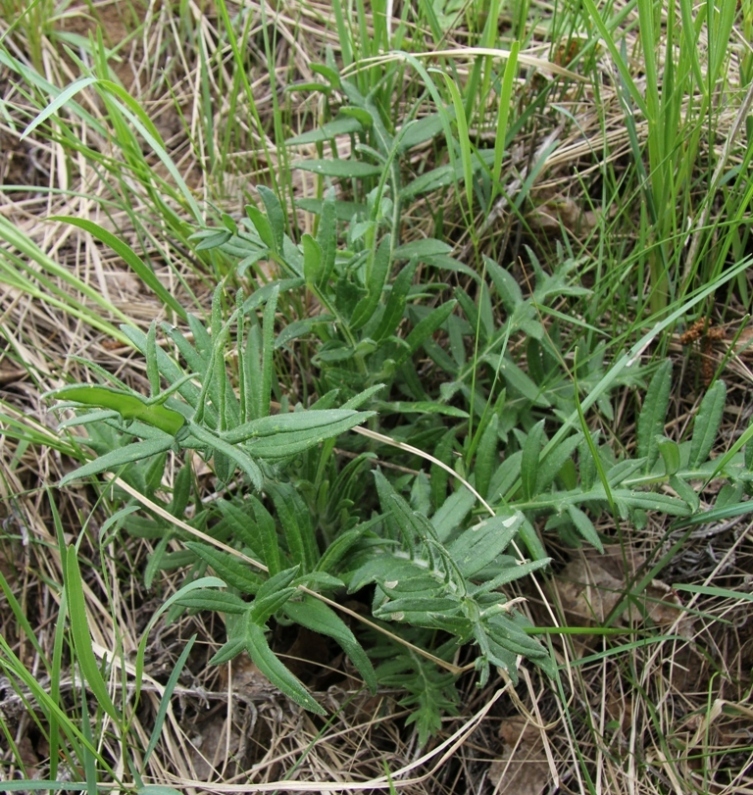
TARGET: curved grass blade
(82,642)
(129,256)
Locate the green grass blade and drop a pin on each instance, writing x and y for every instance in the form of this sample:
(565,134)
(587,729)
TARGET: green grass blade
(82,643)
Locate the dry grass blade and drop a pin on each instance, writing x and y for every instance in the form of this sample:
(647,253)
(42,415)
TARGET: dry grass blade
(399,779)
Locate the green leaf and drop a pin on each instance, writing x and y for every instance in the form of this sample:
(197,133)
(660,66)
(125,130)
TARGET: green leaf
(511,573)
(394,305)
(319,581)
(749,450)
(530,538)
(154,563)
(422,249)
(363,115)
(507,288)
(129,405)
(228,651)
(263,227)
(313,259)
(418,131)
(326,236)
(61,99)
(165,703)
(318,617)
(295,518)
(649,501)
(420,407)
(529,466)
(237,523)
(265,660)
(413,525)
(343,126)
(584,526)
(210,599)
(685,492)
(384,568)
(670,453)
(706,424)
(554,460)
(283,435)
(341,210)
(653,414)
(713,590)
(425,611)
(152,369)
(380,268)
(622,470)
(118,457)
(267,365)
(329,72)
(82,642)
(479,545)
(275,215)
(232,570)
(236,454)
(505,104)
(273,595)
(267,529)
(424,329)
(464,142)
(510,636)
(487,458)
(431,180)
(506,476)
(452,512)
(362,397)
(181,491)
(343,169)
(213,239)
(342,544)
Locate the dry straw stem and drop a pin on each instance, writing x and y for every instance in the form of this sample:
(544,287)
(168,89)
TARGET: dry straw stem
(526,57)
(437,757)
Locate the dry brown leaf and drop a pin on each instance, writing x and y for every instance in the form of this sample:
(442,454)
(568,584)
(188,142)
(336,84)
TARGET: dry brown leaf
(591,586)
(28,756)
(247,681)
(123,283)
(212,746)
(522,768)
(559,212)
